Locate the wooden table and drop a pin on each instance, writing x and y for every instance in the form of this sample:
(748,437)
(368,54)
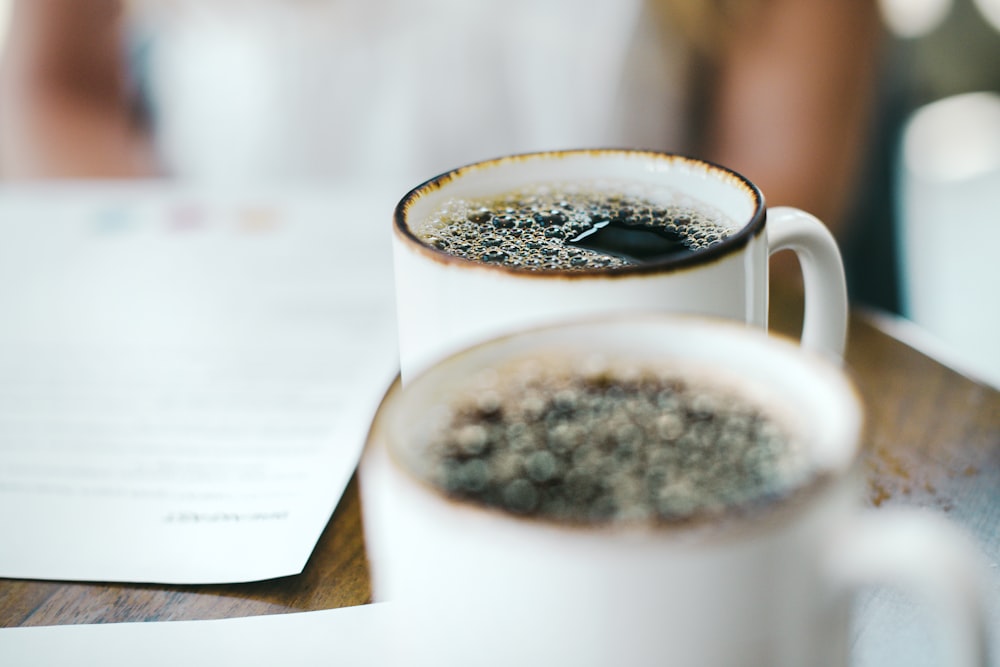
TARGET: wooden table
(932,440)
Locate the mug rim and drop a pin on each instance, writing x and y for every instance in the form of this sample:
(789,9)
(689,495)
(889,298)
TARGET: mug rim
(727,246)
(750,516)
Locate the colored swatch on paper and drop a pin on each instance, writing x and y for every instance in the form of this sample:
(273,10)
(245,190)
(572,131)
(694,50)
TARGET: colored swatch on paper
(258,219)
(113,220)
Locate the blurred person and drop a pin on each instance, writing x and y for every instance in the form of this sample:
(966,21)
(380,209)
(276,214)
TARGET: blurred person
(65,108)
(334,90)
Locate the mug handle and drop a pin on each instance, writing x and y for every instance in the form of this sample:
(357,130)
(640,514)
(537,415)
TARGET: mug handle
(824,327)
(924,555)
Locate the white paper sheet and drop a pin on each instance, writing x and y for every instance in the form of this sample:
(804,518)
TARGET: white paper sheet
(355,636)
(186,377)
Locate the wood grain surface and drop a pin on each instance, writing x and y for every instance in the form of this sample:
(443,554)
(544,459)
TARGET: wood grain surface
(932,439)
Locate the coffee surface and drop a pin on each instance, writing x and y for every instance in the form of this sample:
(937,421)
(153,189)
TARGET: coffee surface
(604,446)
(573,227)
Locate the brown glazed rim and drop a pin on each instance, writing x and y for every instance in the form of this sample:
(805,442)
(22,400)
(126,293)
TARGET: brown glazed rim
(728,245)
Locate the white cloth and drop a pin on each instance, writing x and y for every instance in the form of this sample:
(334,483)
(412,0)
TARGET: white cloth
(401,89)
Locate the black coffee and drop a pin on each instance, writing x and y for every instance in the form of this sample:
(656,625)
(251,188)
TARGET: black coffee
(574,226)
(608,446)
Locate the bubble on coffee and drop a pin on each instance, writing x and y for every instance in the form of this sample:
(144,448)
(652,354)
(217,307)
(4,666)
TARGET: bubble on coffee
(611,444)
(574,226)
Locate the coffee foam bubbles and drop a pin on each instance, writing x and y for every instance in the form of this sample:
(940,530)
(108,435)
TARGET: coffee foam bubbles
(596,441)
(548,226)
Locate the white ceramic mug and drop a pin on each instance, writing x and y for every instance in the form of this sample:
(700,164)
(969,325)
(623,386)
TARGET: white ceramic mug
(445,303)
(949,195)
(480,586)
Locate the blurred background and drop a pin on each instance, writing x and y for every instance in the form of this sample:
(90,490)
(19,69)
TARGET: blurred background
(935,174)
(880,116)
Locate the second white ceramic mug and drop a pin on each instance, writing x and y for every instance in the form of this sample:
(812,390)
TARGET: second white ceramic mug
(446,303)
(475,584)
